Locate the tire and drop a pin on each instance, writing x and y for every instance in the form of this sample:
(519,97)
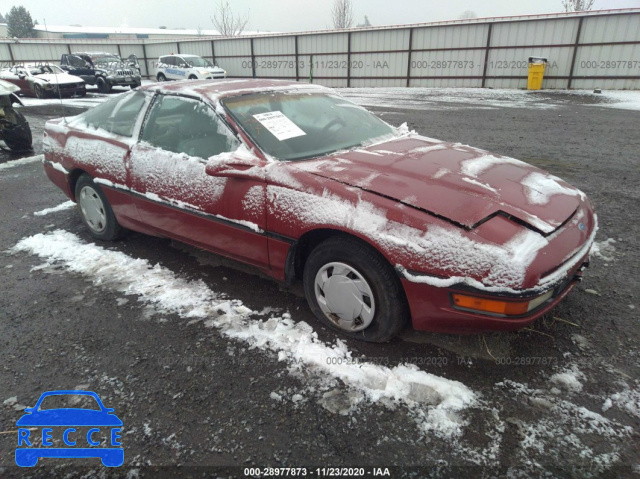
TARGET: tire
(133,87)
(37,89)
(161,77)
(95,211)
(103,85)
(365,290)
(193,77)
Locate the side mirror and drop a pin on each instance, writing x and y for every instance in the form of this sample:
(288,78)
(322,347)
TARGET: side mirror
(22,76)
(235,166)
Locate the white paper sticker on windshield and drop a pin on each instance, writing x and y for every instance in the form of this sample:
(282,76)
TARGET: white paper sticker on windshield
(279,125)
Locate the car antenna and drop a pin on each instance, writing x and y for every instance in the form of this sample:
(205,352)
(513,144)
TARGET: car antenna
(64,117)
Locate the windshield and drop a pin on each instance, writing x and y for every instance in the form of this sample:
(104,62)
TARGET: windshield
(197,62)
(296,126)
(107,60)
(46,69)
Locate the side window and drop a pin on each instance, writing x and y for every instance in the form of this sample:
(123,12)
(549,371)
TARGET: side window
(183,125)
(179,61)
(76,61)
(169,61)
(117,116)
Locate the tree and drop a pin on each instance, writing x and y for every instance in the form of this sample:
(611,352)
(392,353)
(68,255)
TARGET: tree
(468,14)
(19,23)
(577,5)
(228,23)
(342,14)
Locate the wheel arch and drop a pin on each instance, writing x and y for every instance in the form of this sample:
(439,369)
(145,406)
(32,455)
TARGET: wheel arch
(300,250)
(73,177)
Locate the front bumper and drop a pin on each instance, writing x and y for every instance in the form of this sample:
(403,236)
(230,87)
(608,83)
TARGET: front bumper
(124,80)
(67,90)
(432,307)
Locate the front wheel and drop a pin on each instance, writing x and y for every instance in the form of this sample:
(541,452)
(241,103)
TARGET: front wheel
(103,85)
(161,77)
(38,91)
(95,211)
(352,289)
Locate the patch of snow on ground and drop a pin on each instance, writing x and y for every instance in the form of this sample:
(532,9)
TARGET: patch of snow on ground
(435,401)
(63,206)
(627,400)
(21,161)
(445,98)
(568,380)
(583,442)
(604,249)
(622,100)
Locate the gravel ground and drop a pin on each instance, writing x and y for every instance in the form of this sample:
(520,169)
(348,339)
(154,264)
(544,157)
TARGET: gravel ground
(561,399)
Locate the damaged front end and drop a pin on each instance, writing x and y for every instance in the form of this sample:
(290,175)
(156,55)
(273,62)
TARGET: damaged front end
(14,128)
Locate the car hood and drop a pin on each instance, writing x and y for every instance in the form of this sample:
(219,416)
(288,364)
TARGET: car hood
(461,184)
(61,79)
(69,417)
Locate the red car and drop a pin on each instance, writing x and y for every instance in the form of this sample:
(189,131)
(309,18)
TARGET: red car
(384,227)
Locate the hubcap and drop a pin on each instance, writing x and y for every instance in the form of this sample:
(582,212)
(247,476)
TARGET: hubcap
(92,209)
(344,296)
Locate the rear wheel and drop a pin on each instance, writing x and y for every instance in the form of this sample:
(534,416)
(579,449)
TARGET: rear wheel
(95,211)
(352,289)
(161,77)
(193,77)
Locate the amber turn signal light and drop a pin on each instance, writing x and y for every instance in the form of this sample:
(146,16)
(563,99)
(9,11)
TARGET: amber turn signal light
(508,308)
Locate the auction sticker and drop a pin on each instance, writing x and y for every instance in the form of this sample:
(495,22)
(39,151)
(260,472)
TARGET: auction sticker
(279,125)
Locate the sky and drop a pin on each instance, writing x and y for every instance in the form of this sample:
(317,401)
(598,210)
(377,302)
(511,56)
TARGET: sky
(277,15)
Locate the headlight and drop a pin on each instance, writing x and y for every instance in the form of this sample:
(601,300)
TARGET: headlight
(203,72)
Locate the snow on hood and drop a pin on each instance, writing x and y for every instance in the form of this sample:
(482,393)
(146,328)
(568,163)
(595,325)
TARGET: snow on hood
(62,79)
(456,182)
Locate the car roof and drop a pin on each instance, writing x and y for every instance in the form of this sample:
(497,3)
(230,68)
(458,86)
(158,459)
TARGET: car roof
(213,90)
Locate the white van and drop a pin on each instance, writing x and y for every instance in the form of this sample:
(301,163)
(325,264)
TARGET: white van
(183,67)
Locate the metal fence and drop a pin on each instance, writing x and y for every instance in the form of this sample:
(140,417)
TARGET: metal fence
(584,50)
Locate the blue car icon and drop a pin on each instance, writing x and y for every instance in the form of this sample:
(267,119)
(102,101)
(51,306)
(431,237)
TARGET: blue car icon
(65,419)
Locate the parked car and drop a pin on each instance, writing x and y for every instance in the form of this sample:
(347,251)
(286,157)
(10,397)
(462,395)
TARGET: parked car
(105,70)
(187,67)
(44,80)
(14,128)
(383,226)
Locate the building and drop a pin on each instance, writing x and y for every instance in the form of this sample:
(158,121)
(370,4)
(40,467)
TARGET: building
(121,33)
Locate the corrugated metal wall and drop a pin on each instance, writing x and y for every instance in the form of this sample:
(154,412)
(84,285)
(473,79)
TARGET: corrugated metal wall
(585,50)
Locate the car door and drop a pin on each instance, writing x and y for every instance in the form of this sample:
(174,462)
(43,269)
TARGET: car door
(181,69)
(79,67)
(179,199)
(99,142)
(172,71)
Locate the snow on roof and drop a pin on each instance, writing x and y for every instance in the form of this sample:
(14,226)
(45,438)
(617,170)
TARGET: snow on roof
(214,90)
(133,30)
